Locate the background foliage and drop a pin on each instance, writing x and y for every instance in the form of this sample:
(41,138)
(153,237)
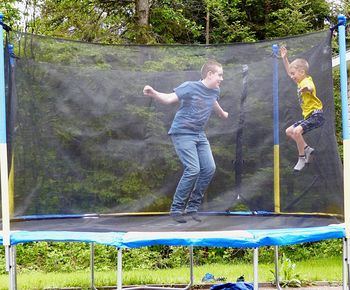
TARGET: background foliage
(171,21)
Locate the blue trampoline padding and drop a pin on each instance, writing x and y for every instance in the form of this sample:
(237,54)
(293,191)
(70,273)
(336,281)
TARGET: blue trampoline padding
(234,239)
(112,239)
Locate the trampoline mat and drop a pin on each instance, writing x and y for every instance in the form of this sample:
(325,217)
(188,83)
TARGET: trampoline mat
(164,223)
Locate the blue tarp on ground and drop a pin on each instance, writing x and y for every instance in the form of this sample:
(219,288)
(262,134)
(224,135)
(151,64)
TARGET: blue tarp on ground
(233,286)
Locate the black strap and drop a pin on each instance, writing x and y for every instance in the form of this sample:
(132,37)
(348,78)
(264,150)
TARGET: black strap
(336,26)
(6,27)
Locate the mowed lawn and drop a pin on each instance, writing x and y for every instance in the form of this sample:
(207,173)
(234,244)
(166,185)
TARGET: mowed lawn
(329,269)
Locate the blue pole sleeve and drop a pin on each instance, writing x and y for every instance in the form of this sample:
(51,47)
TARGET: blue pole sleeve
(343,75)
(12,60)
(275,95)
(2,87)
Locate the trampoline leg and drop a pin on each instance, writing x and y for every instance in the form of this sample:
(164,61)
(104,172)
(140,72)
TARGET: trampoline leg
(191,269)
(348,263)
(92,266)
(120,269)
(11,266)
(255,265)
(345,264)
(276,269)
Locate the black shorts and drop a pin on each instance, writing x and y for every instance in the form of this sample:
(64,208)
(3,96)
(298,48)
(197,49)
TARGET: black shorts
(314,121)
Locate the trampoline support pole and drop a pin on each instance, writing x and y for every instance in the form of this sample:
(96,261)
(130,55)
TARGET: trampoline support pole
(12,269)
(191,268)
(120,269)
(345,264)
(276,145)
(92,266)
(345,127)
(256,267)
(277,269)
(347,268)
(5,203)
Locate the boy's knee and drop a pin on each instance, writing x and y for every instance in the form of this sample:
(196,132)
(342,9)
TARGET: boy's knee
(211,169)
(298,130)
(193,171)
(289,131)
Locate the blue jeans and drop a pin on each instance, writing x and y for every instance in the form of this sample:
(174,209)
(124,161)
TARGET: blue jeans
(199,167)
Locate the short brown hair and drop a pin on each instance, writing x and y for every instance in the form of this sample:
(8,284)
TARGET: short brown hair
(210,65)
(300,64)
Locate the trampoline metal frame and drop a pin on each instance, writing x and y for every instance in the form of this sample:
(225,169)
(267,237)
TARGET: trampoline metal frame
(119,284)
(11,268)
(277,278)
(346,264)
(120,272)
(13,273)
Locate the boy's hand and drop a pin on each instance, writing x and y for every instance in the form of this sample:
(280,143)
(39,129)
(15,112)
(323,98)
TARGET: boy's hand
(149,91)
(225,114)
(306,89)
(284,52)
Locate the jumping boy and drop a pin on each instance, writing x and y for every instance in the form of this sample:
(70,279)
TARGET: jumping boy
(311,107)
(197,100)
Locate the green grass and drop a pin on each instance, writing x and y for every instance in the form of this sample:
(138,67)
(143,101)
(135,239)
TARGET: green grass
(313,270)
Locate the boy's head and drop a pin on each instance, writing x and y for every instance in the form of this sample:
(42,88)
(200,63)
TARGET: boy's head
(212,74)
(298,69)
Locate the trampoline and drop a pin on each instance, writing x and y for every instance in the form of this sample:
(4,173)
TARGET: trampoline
(228,230)
(89,159)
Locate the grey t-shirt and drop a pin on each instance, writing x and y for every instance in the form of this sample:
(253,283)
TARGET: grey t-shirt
(196,105)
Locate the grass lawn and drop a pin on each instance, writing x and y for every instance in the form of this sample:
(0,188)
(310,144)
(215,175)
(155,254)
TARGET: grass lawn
(313,270)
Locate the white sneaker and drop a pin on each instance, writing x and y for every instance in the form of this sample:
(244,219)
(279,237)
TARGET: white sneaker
(301,164)
(308,154)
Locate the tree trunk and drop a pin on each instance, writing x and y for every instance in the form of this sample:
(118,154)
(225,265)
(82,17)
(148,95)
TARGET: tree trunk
(142,11)
(207,27)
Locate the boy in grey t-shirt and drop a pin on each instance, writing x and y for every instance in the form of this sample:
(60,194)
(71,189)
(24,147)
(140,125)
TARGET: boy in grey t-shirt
(197,100)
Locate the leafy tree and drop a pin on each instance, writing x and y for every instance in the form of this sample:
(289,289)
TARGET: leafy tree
(227,22)
(10,12)
(171,21)
(297,18)
(178,21)
(84,20)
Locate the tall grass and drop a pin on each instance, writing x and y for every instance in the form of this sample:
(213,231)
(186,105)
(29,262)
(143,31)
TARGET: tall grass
(325,269)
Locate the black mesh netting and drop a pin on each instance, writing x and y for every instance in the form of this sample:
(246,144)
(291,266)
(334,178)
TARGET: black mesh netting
(86,140)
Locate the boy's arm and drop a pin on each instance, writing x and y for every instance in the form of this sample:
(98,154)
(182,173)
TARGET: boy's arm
(284,55)
(308,86)
(162,97)
(219,111)
(307,89)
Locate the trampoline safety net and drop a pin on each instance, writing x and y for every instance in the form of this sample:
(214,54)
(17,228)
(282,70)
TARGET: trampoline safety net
(84,139)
